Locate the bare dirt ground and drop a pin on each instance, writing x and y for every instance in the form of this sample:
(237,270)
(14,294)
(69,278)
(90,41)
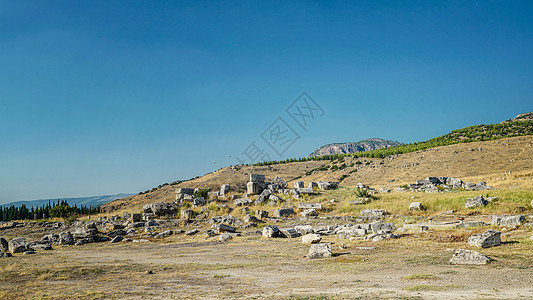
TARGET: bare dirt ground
(180,267)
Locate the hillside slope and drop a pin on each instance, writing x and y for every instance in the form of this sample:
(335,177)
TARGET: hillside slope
(352,147)
(488,160)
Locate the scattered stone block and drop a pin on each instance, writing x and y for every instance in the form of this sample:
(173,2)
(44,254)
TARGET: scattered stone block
(299,185)
(290,233)
(373,212)
(316,206)
(415,206)
(475,202)
(257,178)
(17,245)
(382,228)
(224,189)
(192,232)
(186,214)
(304,229)
(469,257)
(164,234)
(261,214)
(327,185)
(320,251)
(271,231)
(489,238)
(243,202)
(5,255)
(220,228)
(280,182)
(250,219)
(283,212)
(308,191)
(225,237)
(311,238)
(508,220)
(309,213)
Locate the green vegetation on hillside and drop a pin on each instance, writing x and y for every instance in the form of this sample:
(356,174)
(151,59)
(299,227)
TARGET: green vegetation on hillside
(469,134)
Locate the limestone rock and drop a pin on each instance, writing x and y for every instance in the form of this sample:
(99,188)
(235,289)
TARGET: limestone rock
(192,232)
(186,214)
(253,188)
(327,185)
(373,212)
(304,229)
(161,208)
(224,189)
(487,239)
(257,178)
(17,245)
(225,236)
(316,206)
(299,185)
(478,201)
(164,234)
(415,206)
(311,238)
(381,228)
(220,228)
(508,220)
(290,233)
(250,219)
(271,231)
(283,212)
(243,202)
(320,251)
(309,213)
(261,214)
(469,257)
(280,182)
(231,220)
(307,191)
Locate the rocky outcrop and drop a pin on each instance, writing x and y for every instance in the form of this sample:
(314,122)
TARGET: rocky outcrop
(353,147)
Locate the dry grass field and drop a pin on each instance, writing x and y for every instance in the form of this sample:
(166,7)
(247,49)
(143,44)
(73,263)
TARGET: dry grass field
(179,267)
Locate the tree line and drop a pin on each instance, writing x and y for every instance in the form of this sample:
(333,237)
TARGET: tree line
(59,209)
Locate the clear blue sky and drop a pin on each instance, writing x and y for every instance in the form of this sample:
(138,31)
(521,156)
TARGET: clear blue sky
(102,97)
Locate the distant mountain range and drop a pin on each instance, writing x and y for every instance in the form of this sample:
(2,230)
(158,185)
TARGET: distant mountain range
(86,201)
(352,147)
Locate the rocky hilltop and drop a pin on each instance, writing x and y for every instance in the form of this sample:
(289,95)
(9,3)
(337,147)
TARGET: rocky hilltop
(352,147)
(521,117)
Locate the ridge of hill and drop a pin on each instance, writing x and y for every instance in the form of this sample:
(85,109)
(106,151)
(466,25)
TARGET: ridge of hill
(521,117)
(352,147)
